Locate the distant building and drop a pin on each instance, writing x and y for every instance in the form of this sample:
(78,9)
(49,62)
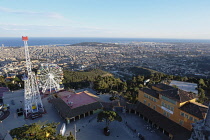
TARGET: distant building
(176,105)
(72,106)
(186,86)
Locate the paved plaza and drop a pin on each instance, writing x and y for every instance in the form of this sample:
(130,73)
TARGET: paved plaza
(87,128)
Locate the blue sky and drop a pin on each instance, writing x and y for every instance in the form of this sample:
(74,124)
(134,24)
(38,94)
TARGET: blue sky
(187,19)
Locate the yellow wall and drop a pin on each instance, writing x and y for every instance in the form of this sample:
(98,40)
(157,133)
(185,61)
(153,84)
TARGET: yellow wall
(181,104)
(176,117)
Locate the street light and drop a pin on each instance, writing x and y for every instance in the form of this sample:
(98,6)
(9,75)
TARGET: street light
(75,132)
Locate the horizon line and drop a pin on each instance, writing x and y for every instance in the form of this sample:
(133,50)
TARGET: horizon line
(116,37)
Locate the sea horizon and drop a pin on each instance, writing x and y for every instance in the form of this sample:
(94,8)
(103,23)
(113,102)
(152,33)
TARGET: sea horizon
(37,41)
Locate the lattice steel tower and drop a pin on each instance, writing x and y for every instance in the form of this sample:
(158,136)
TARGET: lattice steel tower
(32,99)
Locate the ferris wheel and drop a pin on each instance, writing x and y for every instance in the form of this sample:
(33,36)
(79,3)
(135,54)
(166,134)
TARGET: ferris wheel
(49,77)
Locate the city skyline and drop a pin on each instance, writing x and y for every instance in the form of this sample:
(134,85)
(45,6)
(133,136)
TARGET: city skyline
(117,19)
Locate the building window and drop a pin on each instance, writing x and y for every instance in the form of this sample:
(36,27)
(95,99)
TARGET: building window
(155,100)
(166,114)
(186,116)
(145,101)
(168,100)
(168,106)
(148,104)
(154,107)
(172,109)
(149,97)
(182,114)
(195,120)
(191,118)
(181,122)
(145,95)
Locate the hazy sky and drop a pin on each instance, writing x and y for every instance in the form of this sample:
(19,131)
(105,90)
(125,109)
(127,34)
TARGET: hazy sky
(106,18)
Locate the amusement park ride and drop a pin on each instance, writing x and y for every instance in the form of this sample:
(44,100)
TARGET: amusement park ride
(49,77)
(33,104)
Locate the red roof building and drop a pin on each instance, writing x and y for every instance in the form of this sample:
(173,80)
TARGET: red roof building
(72,105)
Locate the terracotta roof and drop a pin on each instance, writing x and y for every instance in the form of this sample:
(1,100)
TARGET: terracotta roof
(150,92)
(195,109)
(64,93)
(178,132)
(178,95)
(76,99)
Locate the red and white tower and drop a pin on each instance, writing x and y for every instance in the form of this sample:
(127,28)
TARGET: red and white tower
(32,99)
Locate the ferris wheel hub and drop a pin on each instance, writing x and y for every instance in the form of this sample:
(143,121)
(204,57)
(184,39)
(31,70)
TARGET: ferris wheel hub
(51,75)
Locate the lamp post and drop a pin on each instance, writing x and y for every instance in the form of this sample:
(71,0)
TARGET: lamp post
(75,132)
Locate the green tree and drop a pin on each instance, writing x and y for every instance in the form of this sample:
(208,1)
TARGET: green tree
(136,89)
(201,96)
(70,137)
(141,86)
(38,131)
(134,79)
(140,78)
(124,86)
(108,117)
(184,78)
(16,79)
(201,83)
(59,137)
(114,93)
(2,80)
(175,86)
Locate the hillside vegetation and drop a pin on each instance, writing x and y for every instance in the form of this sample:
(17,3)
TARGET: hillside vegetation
(80,79)
(142,71)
